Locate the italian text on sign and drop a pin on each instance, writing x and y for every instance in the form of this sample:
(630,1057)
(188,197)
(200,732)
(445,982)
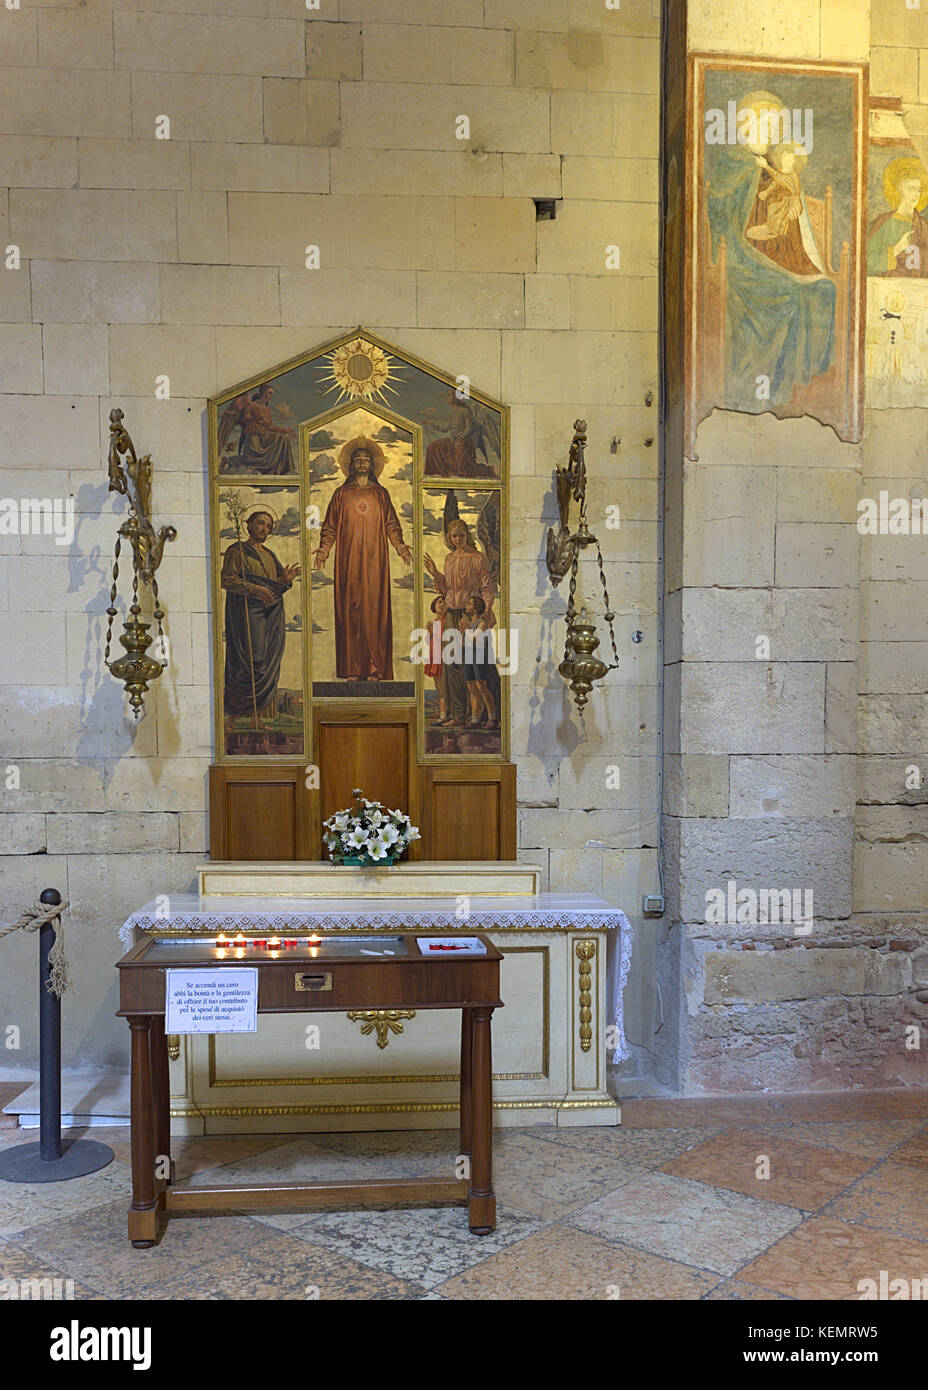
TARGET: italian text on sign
(211,1001)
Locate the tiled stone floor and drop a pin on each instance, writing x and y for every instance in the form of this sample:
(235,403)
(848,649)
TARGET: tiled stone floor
(668,1206)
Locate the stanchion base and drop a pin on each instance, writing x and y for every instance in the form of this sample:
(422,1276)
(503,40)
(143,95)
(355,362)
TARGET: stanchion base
(78,1158)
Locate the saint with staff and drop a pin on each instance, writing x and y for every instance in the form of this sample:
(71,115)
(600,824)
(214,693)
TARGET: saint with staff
(255,582)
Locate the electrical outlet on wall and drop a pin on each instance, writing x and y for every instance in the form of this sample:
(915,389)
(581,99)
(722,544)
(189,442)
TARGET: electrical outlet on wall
(652,904)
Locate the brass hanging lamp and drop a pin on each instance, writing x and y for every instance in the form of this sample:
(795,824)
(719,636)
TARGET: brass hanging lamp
(131,476)
(580,666)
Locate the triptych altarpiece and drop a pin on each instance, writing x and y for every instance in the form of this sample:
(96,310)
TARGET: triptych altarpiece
(359,530)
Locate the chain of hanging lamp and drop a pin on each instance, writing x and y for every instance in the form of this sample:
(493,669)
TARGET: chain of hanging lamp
(131,476)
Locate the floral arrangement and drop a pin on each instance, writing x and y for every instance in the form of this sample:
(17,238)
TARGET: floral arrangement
(368,834)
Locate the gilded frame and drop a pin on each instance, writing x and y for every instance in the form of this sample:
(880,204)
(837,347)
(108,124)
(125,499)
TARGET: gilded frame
(217,481)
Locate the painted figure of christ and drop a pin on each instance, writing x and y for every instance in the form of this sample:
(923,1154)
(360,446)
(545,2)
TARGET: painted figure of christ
(360,521)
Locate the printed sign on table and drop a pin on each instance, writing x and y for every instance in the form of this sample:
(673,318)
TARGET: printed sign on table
(211,1001)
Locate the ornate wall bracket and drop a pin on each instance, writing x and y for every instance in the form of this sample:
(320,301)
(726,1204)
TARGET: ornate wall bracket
(580,667)
(383,1021)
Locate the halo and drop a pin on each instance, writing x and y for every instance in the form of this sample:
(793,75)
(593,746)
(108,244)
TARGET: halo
(268,511)
(895,174)
(361,441)
(758,102)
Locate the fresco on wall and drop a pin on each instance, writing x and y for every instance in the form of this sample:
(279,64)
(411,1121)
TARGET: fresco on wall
(673,263)
(774,227)
(897,239)
(897,261)
(332,477)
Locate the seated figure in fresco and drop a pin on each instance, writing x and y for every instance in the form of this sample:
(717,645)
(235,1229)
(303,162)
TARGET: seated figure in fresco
(361,523)
(897,242)
(263,447)
(780,303)
(466,573)
(254,582)
(780,193)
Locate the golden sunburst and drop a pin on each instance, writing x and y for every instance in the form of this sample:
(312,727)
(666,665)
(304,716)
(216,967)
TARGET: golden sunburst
(359,370)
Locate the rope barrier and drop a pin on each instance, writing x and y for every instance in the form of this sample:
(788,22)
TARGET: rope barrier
(31,920)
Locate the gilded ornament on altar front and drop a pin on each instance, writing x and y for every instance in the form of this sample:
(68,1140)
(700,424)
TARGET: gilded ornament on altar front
(383,1021)
(586,951)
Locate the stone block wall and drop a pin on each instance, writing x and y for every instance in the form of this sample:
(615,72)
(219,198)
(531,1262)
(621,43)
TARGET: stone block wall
(141,257)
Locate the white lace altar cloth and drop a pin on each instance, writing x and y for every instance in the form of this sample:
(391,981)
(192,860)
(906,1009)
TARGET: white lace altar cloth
(187,914)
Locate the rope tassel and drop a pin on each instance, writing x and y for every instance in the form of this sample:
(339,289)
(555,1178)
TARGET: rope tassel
(31,920)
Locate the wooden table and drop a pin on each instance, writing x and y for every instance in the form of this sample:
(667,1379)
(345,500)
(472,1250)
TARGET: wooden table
(332,976)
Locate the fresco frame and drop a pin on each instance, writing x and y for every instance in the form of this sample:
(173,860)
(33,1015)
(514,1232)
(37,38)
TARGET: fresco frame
(847,419)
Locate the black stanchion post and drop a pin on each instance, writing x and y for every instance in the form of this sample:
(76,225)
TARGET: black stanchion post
(47,1161)
(49,1042)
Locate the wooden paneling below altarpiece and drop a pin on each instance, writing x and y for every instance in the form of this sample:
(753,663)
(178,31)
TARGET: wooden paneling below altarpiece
(374,749)
(468,812)
(275,811)
(260,812)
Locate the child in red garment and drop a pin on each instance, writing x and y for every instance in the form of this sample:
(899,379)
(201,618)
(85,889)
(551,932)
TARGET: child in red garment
(435,667)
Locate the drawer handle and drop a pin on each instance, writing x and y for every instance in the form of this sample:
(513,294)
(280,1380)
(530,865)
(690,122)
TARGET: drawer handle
(305,983)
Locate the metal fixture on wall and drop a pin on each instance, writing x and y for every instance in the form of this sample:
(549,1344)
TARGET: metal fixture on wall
(580,667)
(131,476)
